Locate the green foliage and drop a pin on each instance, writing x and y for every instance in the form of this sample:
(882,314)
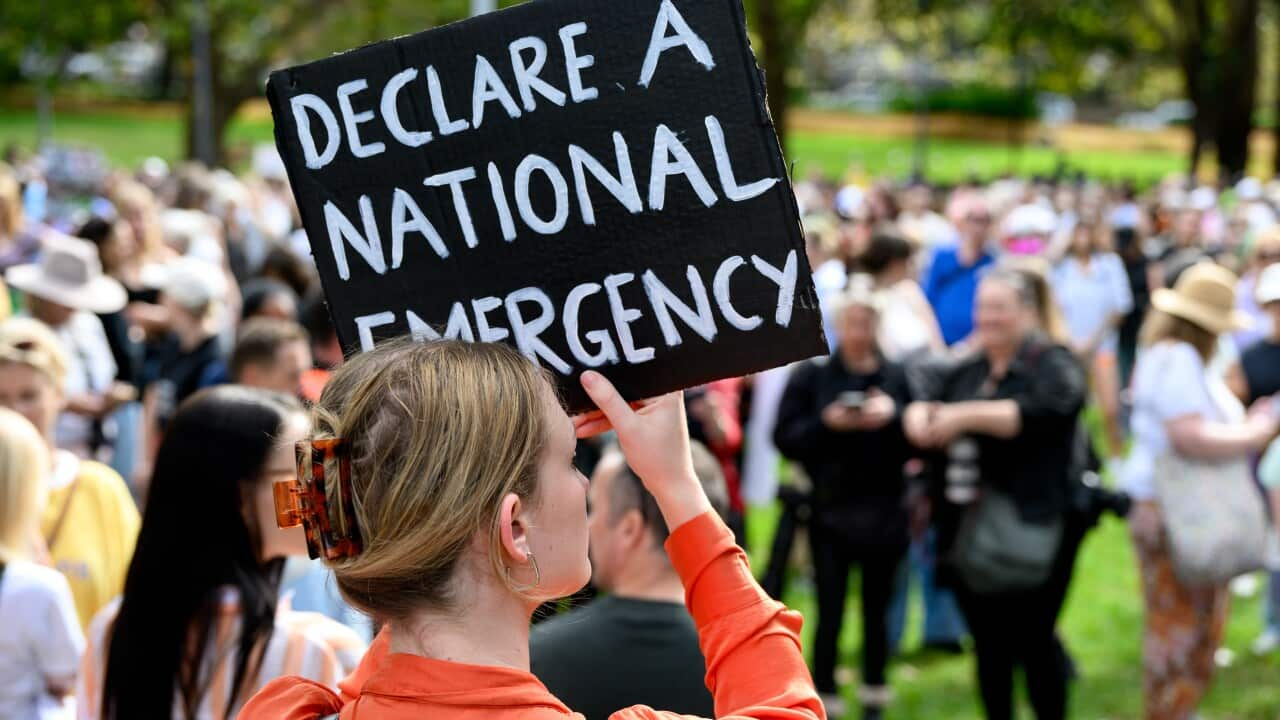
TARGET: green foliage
(57,28)
(970,98)
(128,138)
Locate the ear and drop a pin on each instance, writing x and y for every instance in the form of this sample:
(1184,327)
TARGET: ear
(514,533)
(632,528)
(249,375)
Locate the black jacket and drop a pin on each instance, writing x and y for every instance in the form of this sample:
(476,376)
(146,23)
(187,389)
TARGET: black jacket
(1048,384)
(858,486)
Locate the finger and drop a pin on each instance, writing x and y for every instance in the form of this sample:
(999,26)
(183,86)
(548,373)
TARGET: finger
(606,397)
(586,417)
(593,428)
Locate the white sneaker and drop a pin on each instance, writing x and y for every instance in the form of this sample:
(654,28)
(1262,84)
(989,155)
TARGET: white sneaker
(1245,586)
(1267,642)
(834,705)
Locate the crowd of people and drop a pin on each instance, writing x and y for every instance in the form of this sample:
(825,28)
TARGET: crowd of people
(995,348)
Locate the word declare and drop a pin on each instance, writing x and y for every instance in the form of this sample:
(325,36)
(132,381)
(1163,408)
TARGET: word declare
(597,183)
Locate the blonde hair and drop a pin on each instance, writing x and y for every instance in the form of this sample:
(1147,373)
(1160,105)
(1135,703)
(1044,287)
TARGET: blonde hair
(1267,240)
(1037,292)
(23,463)
(1160,326)
(10,203)
(440,432)
(29,342)
(132,197)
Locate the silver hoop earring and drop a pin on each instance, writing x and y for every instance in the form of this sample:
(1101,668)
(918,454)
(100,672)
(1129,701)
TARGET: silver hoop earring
(537,577)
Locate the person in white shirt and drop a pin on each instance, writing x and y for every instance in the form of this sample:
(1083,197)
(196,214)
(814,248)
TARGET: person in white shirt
(1093,286)
(1182,407)
(40,638)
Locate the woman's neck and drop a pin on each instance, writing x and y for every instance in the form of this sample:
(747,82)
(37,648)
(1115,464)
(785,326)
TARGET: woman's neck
(864,362)
(970,250)
(1001,357)
(492,630)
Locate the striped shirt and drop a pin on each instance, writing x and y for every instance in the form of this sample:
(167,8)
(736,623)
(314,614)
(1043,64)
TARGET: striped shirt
(302,643)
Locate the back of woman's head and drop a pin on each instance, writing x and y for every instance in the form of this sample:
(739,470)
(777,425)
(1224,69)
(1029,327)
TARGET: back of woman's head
(199,535)
(440,432)
(23,459)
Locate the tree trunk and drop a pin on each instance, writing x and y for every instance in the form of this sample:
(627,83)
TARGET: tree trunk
(1237,80)
(1275,128)
(225,106)
(776,59)
(1190,61)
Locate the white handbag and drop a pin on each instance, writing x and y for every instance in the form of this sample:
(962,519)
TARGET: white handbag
(1213,516)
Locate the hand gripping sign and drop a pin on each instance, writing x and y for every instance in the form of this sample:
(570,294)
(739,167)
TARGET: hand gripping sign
(596,182)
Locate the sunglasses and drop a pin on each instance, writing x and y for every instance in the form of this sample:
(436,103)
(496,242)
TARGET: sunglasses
(978,219)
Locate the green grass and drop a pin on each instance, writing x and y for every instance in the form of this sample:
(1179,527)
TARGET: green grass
(950,160)
(1101,626)
(127,138)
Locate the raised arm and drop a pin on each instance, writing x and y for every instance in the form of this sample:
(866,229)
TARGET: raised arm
(755,668)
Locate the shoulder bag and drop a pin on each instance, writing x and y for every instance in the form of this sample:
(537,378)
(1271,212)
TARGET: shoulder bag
(996,550)
(1214,520)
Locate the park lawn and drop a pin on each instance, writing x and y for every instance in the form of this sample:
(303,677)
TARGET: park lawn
(1101,626)
(127,138)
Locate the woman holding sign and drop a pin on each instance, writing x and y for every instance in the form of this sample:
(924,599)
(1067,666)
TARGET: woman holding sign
(441,489)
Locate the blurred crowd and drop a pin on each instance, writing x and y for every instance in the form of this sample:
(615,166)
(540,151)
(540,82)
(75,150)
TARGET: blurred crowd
(998,348)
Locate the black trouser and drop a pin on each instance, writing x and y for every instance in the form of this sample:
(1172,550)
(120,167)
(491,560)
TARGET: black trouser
(833,556)
(1019,630)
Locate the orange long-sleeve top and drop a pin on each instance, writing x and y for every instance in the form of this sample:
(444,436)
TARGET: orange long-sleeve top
(755,669)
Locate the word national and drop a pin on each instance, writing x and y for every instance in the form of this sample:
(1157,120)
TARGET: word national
(596,183)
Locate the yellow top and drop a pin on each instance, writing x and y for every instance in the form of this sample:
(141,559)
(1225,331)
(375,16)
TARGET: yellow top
(95,544)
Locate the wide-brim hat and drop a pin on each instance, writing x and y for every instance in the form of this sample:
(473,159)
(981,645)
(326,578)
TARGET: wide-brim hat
(70,274)
(1205,295)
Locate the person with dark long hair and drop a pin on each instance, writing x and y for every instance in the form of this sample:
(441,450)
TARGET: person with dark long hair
(198,629)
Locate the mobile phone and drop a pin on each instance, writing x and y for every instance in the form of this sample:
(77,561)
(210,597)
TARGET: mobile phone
(854,400)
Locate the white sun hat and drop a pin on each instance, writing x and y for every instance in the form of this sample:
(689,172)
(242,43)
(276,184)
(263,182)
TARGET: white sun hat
(70,274)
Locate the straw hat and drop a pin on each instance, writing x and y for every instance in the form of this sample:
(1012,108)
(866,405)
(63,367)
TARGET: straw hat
(1204,295)
(70,274)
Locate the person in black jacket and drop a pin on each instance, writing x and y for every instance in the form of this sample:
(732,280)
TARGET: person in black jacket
(1005,420)
(840,418)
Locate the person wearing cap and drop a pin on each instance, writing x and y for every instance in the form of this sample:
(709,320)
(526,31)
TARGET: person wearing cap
(88,520)
(189,357)
(66,290)
(1256,376)
(1180,407)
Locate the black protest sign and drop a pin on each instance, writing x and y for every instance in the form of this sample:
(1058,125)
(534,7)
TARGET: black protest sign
(597,182)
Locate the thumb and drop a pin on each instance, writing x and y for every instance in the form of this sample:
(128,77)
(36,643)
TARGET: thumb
(606,397)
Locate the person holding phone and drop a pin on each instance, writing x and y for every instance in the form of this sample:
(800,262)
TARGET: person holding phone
(839,418)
